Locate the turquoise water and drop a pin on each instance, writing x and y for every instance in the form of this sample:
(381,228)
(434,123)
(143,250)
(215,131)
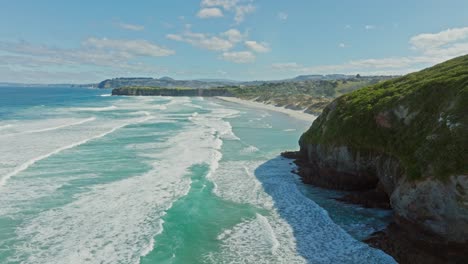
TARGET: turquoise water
(90,178)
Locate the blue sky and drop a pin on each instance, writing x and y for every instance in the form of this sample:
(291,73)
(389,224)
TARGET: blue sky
(53,41)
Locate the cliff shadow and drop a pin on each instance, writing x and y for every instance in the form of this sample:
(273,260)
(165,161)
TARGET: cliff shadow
(318,239)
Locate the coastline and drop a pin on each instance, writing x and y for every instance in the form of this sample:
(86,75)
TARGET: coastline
(292,113)
(405,241)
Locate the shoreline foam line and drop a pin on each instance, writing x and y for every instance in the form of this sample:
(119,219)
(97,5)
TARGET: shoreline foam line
(95,109)
(5,126)
(61,126)
(292,113)
(30,162)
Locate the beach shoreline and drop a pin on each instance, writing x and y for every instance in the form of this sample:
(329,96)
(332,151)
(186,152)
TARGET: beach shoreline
(292,113)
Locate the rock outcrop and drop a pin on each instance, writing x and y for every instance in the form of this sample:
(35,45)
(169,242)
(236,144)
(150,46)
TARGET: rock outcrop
(406,138)
(440,207)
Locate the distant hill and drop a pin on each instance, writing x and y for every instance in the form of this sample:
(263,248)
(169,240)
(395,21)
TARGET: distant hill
(165,82)
(168,82)
(308,95)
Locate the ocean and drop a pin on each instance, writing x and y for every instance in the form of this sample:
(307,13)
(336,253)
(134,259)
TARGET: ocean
(86,177)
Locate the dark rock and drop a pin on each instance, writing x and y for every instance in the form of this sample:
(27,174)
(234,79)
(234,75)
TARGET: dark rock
(291,154)
(408,245)
(369,199)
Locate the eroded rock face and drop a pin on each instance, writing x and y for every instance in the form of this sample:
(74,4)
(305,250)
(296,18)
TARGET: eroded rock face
(338,169)
(440,207)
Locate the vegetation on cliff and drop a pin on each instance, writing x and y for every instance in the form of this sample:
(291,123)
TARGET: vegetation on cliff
(420,118)
(309,95)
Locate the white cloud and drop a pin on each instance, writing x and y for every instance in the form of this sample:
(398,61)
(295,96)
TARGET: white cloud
(434,40)
(226,4)
(221,72)
(121,57)
(453,50)
(395,65)
(204,41)
(257,47)
(242,11)
(240,8)
(370,27)
(132,27)
(221,42)
(342,45)
(234,35)
(286,66)
(130,47)
(239,56)
(282,16)
(44,76)
(431,49)
(347,26)
(210,12)
(442,45)
(174,37)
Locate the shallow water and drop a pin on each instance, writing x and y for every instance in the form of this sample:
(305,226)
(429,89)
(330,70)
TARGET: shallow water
(86,178)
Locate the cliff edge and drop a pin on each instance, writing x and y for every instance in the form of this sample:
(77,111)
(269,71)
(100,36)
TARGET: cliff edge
(406,138)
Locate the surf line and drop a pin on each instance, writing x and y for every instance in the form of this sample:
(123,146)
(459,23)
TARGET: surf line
(49,128)
(62,126)
(30,162)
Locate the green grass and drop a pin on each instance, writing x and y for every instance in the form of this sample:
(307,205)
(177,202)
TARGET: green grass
(432,140)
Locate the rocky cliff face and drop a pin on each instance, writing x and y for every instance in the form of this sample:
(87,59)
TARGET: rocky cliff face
(439,207)
(406,138)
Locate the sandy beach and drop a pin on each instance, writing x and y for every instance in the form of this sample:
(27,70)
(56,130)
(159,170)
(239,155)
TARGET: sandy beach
(293,113)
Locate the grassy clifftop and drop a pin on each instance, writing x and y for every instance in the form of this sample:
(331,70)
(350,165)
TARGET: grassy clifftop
(420,118)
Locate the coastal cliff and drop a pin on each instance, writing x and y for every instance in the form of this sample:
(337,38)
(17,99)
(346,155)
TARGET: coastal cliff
(156,91)
(309,94)
(405,139)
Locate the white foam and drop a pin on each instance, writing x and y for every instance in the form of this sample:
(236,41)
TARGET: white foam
(61,126)
(5,126)
(95,109)
(105,95)
(116,222)
(19,127)
(257,241)
(30,162)
(249,149)
(236,182)
(215,120)
(193,105)
(296,229)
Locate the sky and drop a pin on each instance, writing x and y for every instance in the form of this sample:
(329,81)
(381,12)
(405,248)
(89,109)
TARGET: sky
(57,41)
